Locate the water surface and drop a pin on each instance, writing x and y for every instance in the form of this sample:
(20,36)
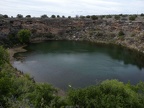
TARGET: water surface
(80,64)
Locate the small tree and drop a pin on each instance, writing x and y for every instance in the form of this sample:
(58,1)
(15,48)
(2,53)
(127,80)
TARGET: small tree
(94,17)
(133,17)
(28,16)
(58,16)
(19,16)
(5,16)
(82,17)
(121,33)
(102,16)
(117,17)
(69,17)
(44,16)
(24,36)
(63,16)
(108,16)
(142,14)
(88,16)
(53,16)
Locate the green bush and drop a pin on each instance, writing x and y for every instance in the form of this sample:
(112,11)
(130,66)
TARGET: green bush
(121,33)
(19,16)
(108,16)
(63,16)
(4,56)
(132,17)
(58,16)
(24,36)
(44,16)
(53,16)
(28,16)
(94,17)
(88,16)
(108,94)
(69,17)
(117,17)
(142,14)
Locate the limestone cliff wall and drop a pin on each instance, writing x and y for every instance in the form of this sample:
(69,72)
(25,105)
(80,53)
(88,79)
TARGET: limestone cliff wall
(106,31)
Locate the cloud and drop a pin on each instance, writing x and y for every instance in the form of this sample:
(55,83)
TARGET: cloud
(70,7)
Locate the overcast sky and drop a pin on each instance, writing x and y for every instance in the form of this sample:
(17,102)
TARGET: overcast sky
(70,7)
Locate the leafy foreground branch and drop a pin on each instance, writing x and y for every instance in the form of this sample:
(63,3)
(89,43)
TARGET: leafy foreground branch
(18,90)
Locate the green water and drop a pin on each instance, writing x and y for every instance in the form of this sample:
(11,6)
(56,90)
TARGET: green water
(80,64)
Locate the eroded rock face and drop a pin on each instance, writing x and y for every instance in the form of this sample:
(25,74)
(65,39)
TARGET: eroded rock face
(106,31)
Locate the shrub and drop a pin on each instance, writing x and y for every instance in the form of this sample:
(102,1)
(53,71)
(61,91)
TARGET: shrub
(108,94)
(44,16)
(63,16)
(108,16)
(133,17)
(142,14)
(53,16)
(24,36)
(28,16)
(82,17)
(121,33)
(19,16)
(5,16)
(4,56)
(58,16)
(69,17)
(102,16)
(117,17)
(94,17)
(88,16)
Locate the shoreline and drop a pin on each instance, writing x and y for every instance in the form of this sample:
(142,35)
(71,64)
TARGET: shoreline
(14,50)
(18,49)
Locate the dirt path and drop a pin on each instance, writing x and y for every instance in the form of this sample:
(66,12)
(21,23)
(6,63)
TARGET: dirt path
(12,51)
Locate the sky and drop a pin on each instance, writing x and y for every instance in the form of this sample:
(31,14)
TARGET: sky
(36,8)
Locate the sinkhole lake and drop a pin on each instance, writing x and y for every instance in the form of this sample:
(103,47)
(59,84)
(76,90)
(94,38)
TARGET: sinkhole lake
(80,64)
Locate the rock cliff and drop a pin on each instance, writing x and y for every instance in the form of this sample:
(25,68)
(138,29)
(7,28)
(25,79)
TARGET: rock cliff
(122,31)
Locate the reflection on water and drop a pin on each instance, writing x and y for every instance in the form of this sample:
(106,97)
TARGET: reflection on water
(80,63)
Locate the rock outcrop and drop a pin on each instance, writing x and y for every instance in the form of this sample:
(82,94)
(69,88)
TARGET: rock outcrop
(101,30)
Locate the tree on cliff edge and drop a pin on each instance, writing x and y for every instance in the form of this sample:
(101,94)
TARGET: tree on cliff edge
(24,36)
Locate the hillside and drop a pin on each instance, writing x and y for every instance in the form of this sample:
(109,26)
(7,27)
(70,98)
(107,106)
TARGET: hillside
(120,29)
